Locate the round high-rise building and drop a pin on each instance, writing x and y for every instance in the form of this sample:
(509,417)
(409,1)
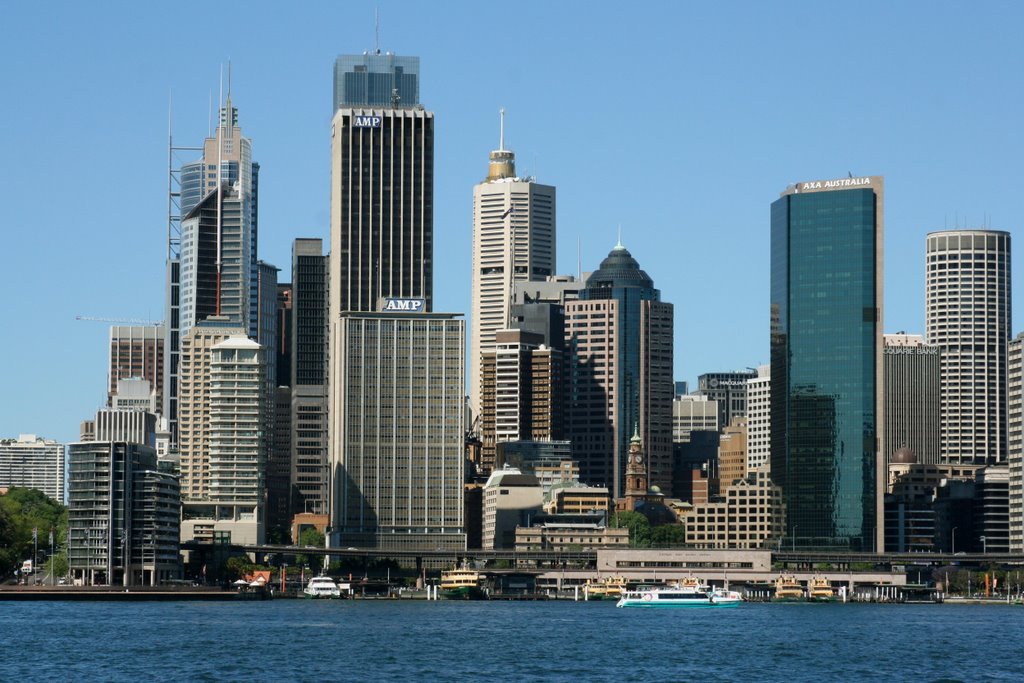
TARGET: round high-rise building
(967,312)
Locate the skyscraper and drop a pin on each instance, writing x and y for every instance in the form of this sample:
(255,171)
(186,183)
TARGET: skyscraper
(826,357)
(513,240)
(396,456)
(382,199)
(1015,440)
(967,315)
(212,264)
(309,377)
(619,342)
(376,80)
(911,397)
(34,463)
(759,419)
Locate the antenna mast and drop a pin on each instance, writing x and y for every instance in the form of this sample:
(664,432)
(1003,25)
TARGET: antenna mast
(376,30)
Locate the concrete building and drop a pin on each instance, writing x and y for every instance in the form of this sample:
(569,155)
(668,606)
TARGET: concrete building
(1015,440)
(732,453)
(550,461)
(132,426)
(223,420)
(693,413)
(992,510)
(35,463)
(397,466)
(123,516)
(759,419)
(510,499)
(827,393)
(523,390)
(135,393)
(753,515)
(728,390)
(619,341)
(137,352)
(553,534)
(577,499)
(911,397)
(967,315)
(513,240)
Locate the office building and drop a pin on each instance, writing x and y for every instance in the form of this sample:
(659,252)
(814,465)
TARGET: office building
(511,498)
(284,335)
(732,453)
(135,394)
(34,463)
(267,317)
(550,461)
(123,516)
(224,434)
(137,351)
(577,499)
(992,509)
(911,397)
(728,390)
(382,190)
(619,341)
(513,240)
(309,483)
(826,357)
(759,419)
(693,413)
(1015,441)
(397,464)
(967,315)
(569,532)
(211,261)
(753,515)
(522,385)
(376,80)
(129,425)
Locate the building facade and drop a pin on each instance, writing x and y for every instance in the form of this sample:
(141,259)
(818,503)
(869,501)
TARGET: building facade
(619,342)
(397,465)
(728,390)
(123,516)
(1015,441)
(510,499)
(513,241)
(967,315)
(753,515)
(826,357)
(759,419)
(137,351)
(911,397)
(35,463)
(690,413)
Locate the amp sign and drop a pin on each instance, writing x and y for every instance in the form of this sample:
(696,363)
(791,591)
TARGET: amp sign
(366,121)
(402,305)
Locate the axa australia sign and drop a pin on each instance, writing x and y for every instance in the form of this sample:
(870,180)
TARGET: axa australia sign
(366,121)
(402,305)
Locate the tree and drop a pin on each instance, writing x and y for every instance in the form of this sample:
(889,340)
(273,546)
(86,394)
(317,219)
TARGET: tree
(21,511)
(639,528)
(668,535)
(311,537)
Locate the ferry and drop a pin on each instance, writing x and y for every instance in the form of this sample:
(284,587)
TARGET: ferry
(820,590)
(689,592)
(788,589)
(462,584)
(321,587)
(609,588)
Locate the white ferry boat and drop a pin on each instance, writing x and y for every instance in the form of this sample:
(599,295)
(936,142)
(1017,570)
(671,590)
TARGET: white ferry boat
(322,587)
(690,593)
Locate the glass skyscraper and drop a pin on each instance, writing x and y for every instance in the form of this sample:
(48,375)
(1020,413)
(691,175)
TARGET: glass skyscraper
(376,80)
(826,355)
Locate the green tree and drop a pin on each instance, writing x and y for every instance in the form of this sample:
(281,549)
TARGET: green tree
(58,564)
(639,528)
(238,566)
(311,537)
(21,511)
(668,535)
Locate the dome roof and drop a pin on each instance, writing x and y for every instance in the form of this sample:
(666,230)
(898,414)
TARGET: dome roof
(619,269)
(904,456)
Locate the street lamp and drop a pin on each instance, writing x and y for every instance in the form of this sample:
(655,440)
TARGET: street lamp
(984,544)
(952,539)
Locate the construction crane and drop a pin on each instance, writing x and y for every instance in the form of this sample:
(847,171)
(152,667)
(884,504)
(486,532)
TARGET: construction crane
(121,321)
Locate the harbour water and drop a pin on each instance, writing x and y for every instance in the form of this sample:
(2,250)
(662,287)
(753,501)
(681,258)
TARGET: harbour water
(295,640)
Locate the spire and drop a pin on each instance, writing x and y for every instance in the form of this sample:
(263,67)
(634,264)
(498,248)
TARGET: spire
(503,161)
(618,243)
(636,433)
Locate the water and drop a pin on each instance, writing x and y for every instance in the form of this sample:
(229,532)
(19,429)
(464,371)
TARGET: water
(294,640)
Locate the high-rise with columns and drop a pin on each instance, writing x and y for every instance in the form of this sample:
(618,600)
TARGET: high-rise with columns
(967,315)
(513,241)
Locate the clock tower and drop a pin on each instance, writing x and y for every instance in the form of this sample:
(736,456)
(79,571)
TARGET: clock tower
(636,473)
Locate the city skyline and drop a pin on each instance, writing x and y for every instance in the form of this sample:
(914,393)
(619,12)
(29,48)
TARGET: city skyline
(703,189)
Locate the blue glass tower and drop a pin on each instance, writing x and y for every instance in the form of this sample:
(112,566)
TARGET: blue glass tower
(376,80)
(826,355)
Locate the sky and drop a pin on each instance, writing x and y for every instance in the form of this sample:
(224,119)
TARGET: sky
(678,121)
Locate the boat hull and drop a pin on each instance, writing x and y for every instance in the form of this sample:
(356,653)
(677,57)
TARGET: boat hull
(677,604)
(464,593)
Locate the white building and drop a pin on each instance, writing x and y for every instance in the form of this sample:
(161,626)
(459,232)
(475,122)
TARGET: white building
(35,463)
(691,413)
(510,497)
(759,419)
(513,241)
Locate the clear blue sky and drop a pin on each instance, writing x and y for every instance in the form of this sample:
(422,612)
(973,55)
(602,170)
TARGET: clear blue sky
(680,121)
